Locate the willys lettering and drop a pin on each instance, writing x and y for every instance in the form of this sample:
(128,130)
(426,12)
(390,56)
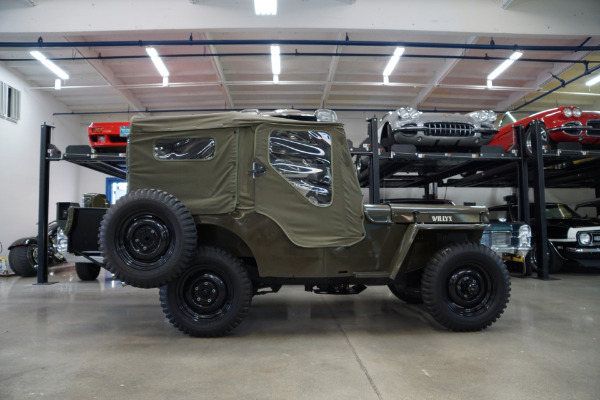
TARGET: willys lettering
(441,218)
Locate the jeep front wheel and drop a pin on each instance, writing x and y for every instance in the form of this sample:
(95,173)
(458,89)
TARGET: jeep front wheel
(211,297)
(147,238)
(465,287)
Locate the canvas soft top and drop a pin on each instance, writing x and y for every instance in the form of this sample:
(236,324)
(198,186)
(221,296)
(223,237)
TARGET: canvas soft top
(223,183)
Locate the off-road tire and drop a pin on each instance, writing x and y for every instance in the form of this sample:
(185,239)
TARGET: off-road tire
(147,238)
(211,297)
(465,287)
(87,271)
(22,259)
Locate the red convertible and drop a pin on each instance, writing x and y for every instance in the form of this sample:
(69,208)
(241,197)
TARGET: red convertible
(108,137)
(562,124)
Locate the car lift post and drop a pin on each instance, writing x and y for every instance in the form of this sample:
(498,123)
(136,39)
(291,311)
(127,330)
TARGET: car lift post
(42,256)
(374,183)
(523,182)
(539,209)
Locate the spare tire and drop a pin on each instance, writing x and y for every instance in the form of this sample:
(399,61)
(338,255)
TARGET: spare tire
(147,238)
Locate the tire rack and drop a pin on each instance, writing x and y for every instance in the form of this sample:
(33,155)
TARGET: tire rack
(110,164)
(566,167)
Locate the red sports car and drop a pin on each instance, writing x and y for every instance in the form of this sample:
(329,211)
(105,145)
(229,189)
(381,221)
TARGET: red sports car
(562,124)
(109,137)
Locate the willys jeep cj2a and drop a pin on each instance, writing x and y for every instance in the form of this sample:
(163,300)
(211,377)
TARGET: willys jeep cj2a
(226,206)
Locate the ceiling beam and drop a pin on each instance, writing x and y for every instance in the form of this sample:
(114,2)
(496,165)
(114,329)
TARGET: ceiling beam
(331,73)
(109,76)
(219,72)
(441,73)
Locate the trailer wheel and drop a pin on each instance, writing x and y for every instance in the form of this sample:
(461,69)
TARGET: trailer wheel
(465,287)
(23,259)
(211,297)
(87,271)
(147,238)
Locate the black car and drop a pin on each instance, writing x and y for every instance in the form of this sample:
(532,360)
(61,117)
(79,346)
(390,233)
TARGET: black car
(572,239)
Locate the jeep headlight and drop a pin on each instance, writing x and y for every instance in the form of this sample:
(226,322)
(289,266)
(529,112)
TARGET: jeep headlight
(525,236)
(577,112)
(567,112)
(584,238)
(323,115)
(407,113)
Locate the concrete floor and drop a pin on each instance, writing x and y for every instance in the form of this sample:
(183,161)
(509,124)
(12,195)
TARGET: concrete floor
(99,340)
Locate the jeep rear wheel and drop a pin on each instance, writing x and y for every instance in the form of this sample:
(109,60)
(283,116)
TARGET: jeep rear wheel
(465,287)
(147,238)
(211,297)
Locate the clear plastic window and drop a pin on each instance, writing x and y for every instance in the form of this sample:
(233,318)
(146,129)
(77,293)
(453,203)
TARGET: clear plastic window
(184,149)
(304,159)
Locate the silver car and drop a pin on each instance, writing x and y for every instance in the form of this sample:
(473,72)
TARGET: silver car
(434,131)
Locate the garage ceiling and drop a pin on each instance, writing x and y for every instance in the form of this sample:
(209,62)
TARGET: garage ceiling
(326,68)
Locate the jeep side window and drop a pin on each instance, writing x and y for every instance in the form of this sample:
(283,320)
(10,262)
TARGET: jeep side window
(184,149)
(303,158)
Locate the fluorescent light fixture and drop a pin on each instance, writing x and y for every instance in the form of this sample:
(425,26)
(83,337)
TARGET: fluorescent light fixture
(275,60)
(49,64)
(275,78)
(502,67)
(489,84)
(265,7)
(393,61)
(593,81)
(57,84)
(158,63)
(386,80)
(165,81)
(513,119)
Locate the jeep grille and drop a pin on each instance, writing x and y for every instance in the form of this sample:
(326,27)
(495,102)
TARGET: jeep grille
(449,129)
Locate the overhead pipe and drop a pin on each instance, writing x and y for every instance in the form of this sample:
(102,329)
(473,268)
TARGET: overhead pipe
(361,43)
(301,54)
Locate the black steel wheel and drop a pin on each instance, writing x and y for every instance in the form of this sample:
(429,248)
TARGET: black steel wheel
(211,297)
(147,238)
(87,271)
(465,287)
(23,259)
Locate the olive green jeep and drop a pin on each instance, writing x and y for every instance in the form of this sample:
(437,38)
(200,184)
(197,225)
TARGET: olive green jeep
(226,206)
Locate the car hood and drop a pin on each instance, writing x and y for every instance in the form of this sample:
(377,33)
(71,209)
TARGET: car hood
(568,228)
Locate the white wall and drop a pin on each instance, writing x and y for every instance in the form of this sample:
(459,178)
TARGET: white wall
(19,162)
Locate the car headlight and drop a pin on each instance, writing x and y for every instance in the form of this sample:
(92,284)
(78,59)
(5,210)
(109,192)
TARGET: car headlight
(484,115)
(577,112)
(524,236)
(62,242)
(407,113)
(567,112)
(323,115)
(584,239)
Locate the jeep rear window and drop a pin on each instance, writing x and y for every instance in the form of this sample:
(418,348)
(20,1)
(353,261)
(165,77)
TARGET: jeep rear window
(303,158)
(184,149)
